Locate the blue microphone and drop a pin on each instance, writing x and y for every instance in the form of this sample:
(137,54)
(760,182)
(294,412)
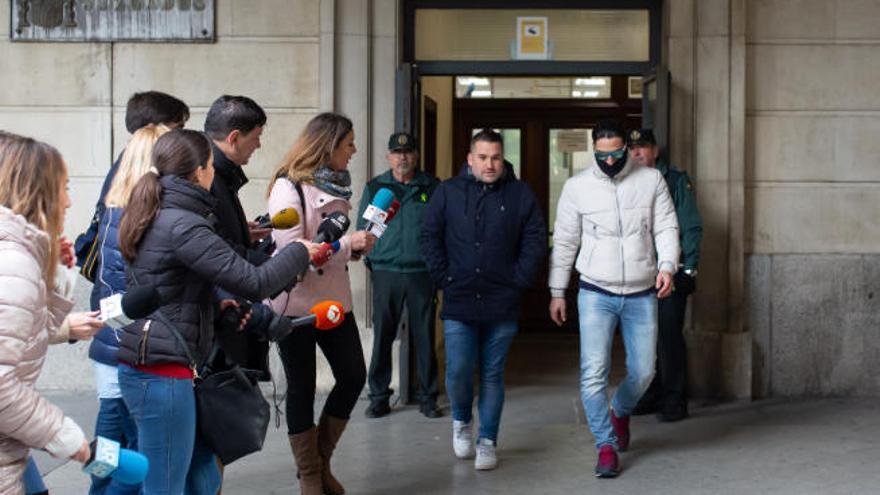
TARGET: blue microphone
(378,209)
(110,459)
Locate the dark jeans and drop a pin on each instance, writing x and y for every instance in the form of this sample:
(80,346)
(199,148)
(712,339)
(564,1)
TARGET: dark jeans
(670,382)
(342,348)
(390,292)
(115,422)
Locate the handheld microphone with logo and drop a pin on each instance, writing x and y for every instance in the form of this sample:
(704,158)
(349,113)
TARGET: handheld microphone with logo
(331,229)
(286,218)
(377,211)
(377,229)
(120,310)
(326,315)
(110,459)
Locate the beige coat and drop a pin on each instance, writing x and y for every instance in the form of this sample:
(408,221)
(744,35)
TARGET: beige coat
(30,316)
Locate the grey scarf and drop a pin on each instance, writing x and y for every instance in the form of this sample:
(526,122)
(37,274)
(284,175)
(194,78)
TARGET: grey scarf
(335,182)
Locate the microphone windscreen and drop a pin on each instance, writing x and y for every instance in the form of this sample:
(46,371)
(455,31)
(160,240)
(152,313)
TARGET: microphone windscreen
(132,469)
(329,314)
(383,199)
(393,208)
(141,301)
(333,227)
(287,218)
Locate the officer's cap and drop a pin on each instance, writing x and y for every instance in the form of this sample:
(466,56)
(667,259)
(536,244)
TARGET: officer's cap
(402,141)
(641,137)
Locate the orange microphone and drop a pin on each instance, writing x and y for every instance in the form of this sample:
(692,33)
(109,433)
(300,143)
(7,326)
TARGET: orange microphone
(326,315)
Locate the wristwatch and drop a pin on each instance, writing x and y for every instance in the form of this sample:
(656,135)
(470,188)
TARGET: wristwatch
(690,272)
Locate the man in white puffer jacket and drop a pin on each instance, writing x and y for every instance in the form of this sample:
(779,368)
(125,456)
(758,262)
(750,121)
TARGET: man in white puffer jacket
(619,220)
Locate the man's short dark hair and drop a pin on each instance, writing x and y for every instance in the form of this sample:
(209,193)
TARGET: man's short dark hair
(488,136)
(154,107)
(233,113)
(608,129)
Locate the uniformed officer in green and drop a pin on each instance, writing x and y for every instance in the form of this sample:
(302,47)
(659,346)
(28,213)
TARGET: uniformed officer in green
(399,277)
(667,394)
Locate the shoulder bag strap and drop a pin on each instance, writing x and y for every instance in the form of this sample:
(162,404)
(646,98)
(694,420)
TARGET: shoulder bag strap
(302,203)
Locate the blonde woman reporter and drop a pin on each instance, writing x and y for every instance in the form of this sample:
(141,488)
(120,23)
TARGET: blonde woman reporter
(114,420)
(33,305)
(313,178)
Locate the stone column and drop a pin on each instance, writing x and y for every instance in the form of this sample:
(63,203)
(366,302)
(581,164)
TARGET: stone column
(706,56)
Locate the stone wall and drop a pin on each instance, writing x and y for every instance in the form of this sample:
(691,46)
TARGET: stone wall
(813,196)
(815,324)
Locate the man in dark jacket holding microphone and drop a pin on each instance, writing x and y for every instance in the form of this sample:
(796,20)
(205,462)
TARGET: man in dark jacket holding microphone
(483,239)
(235,125)
(399,276)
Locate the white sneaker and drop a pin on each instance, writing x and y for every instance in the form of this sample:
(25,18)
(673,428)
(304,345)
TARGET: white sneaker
(486,458)
(462,439)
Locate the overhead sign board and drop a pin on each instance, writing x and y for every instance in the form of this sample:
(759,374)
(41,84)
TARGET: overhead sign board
(572,141)
(112,20)
(531,38)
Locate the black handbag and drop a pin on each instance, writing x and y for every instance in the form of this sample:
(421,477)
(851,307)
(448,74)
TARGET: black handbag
(232,416)
(87,249)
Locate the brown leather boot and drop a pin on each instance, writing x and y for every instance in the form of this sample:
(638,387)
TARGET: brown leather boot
(329,431)
(308,461)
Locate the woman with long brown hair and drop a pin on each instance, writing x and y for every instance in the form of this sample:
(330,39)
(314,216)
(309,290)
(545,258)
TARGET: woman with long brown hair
(313,178)
(33,304)
(167,239)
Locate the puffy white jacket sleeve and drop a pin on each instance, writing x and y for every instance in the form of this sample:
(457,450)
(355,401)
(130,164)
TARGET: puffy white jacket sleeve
(24,414)
(566,240)
(666,239)
(60,304)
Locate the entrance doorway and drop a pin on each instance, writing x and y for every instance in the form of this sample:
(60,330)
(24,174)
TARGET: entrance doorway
(547,140)
(546,135)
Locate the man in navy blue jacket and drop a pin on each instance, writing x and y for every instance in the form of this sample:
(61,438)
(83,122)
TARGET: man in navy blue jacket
(483,239)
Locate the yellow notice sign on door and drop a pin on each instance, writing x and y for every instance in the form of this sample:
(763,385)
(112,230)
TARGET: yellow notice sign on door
(531,38)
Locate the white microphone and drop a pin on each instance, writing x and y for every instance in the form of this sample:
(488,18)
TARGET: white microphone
(120,310)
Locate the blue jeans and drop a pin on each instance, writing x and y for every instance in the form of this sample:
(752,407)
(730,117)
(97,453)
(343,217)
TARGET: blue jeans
(33,481)
(115,422)
(164,411)
(599,316)
(465,343)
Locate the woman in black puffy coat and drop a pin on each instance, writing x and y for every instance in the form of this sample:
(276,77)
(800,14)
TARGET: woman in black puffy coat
(167,238)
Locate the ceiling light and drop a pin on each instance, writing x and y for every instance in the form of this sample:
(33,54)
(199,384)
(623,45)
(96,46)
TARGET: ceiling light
(591,81)
(476,81)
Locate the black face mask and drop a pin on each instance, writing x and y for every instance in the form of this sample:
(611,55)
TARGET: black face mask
(613,169)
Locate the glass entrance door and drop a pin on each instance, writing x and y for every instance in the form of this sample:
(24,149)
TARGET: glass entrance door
(569,153)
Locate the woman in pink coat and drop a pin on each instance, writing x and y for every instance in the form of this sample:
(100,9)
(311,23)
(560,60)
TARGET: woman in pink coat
(313,178)
(33,305)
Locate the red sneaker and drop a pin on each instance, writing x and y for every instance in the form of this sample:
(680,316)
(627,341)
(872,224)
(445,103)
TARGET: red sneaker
(608,465)
(621,429)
